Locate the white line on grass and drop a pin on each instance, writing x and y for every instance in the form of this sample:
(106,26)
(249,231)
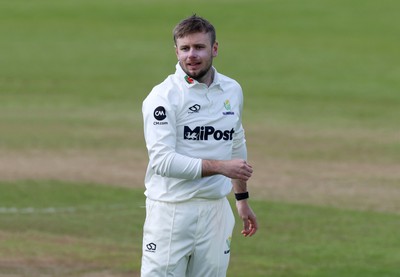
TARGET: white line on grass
(30,210)
(55,210)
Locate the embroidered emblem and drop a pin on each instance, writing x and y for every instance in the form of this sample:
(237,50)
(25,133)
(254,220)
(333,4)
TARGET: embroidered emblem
(227,106)
(189,80)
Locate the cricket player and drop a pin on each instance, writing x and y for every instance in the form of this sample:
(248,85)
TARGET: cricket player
(197,154)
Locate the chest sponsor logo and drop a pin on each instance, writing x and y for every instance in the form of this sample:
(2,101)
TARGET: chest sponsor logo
(206,133)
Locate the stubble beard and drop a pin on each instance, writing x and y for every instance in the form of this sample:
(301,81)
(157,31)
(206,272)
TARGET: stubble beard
(200,75)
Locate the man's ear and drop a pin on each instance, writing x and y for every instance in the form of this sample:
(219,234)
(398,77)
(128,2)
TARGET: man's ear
(176,51)
(215,49)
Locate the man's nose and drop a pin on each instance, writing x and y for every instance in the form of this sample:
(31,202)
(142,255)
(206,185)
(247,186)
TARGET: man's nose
(192,52)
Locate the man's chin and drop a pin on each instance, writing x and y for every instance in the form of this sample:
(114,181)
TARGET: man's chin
(196,75)
(192,73)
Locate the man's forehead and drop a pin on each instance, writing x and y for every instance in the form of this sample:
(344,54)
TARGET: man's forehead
(195,38)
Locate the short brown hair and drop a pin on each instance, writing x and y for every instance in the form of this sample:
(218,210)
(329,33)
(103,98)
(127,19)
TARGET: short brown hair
(194,24)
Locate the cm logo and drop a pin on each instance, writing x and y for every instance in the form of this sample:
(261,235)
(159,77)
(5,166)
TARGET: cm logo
(160,113)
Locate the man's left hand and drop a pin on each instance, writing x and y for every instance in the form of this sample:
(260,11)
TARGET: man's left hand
(250,225)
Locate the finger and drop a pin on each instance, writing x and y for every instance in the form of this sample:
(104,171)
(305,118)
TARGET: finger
(247,174)
(245,230)
(250,170)
(253,227)
(244,176)
(245,233)
(248,165)
(249,232)
(252,231)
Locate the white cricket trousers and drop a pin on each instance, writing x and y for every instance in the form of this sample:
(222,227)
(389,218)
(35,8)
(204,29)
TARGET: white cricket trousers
(187,239)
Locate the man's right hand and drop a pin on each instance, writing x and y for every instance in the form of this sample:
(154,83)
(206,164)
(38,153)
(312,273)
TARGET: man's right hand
(234,169)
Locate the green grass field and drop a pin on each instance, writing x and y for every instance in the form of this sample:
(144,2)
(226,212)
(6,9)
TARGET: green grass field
(322,97)
(80,228)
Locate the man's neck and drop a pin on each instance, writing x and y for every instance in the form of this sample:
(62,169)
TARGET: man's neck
(207,79)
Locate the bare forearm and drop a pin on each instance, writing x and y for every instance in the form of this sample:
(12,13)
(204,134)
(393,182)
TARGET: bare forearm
(239,186)
(234,169)
(211,167)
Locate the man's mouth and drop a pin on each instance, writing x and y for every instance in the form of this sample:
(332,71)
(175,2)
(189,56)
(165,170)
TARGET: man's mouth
(193,65)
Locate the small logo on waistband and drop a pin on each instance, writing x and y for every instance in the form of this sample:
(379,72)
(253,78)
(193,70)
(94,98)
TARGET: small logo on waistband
(228,243)
(151,247)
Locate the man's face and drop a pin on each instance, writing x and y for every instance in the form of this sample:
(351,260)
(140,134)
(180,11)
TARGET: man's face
(195,54)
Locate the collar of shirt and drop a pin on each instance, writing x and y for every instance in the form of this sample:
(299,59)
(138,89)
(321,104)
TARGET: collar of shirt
(190,82)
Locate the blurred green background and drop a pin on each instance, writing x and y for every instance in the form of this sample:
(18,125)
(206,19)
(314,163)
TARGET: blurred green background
(322,97)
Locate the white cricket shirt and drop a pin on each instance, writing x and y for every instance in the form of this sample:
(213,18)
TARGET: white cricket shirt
(185,122)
